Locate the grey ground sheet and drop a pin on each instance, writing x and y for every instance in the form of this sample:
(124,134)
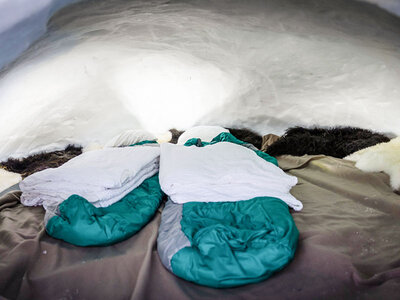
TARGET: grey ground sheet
(348,248)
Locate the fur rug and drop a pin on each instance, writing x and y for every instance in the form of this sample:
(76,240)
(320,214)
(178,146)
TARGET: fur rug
(337,141)
(384,157)
(8,179)
(247,135)
(175,135)
(38,162)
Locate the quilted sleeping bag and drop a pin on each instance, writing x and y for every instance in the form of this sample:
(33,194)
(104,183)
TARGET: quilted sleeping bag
(225,242)
(100,197)
(81,223)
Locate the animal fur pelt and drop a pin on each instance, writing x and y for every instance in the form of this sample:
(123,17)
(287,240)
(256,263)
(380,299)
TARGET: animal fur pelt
(38,162)
(175,135)
(8,179)
(337,141)
(383,157)
(247,135)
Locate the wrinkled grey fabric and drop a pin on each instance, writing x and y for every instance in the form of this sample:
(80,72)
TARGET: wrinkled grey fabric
(14,187)
(250,146)
(348,248)
(171,239)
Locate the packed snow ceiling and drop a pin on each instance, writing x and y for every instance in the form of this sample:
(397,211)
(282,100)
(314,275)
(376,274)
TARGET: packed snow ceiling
(106,66)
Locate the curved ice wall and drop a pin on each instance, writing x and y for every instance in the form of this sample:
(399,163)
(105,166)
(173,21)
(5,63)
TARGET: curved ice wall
(22,22)
(392,6)
(106,66)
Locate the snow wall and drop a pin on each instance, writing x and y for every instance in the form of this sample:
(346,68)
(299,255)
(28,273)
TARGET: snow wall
(105,66)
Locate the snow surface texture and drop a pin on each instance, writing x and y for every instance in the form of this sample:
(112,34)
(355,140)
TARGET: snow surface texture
(382,157)
(390,5)
(22,22)
(108,66)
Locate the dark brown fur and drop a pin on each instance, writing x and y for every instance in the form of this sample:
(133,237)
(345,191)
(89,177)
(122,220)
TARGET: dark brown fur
(175,135)
(41,161)
(337,141)
(247,135)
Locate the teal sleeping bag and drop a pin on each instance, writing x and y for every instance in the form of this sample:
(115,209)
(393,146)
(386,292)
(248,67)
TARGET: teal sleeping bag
(81,223)
(227,244)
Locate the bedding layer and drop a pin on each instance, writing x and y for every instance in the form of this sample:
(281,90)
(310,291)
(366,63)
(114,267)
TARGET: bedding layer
(102,177)
(81,223)
(227,137)
(100,197)
(348,248)
(215,231)
(225,169)
(230,243)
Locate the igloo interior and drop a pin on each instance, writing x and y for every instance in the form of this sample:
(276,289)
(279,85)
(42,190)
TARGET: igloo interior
(93,74)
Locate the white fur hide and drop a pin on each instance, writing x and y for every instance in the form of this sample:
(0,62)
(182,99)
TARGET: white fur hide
(383,157)
(8,179)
